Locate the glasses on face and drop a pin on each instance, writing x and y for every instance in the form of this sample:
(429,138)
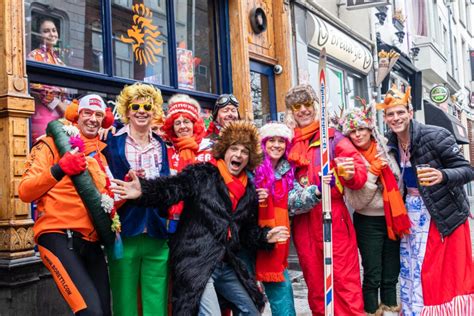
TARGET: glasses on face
(296,107)
(226,99)
(136,107)
(90,113)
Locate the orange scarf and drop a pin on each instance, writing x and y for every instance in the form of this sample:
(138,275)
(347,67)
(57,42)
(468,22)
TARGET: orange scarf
(235,185)
(396,217)
(271,264)
(187,147)
(299,154)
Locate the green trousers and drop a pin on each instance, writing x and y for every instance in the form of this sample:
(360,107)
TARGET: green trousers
(144,265)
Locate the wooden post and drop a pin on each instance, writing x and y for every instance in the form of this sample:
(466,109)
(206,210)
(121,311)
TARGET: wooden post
(16,233)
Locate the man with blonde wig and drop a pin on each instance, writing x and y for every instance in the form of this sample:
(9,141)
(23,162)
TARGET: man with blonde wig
(145,257)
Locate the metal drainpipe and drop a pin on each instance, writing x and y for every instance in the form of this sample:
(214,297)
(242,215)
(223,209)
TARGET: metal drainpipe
(451,52)
(378,90)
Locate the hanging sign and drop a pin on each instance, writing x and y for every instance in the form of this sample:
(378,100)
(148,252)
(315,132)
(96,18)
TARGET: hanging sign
(439,94)
(361,4)
(339,45)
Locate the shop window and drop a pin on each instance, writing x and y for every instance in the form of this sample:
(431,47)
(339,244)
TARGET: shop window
(343,86)
(144,29)
(63,36)
(195,40)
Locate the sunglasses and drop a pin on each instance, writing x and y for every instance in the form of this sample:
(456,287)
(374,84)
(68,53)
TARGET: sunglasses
(136,106)
(296,107)
(226,99)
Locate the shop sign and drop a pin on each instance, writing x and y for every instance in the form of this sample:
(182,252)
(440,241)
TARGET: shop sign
(439,94)
(361,4)
(339,45)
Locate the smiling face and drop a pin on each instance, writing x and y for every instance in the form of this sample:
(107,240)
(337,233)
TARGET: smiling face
(227,114)
(398,118)
(236,158)
(49,33)
(183,126)
(89,122)
(275,148)
(138,115)
(361,137)
(304,115)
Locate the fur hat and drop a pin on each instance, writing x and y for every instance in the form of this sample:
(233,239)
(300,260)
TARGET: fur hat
(395,97)
(300,94)
(243,133)
(91,102)
(276,129)
(182,103)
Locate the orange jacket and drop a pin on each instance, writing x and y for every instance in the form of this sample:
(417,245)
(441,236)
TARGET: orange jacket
(59,206)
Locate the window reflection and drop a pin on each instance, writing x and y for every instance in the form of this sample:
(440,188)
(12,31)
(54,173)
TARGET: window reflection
(70,35)
(260,98)
(196,46)
(140,36)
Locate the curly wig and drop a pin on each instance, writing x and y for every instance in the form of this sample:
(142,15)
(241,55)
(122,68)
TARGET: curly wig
(174,113)
(243,133)
(139,90)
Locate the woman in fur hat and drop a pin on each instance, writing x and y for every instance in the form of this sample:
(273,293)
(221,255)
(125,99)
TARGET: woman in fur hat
(274,179)
(219,218)
(380,217)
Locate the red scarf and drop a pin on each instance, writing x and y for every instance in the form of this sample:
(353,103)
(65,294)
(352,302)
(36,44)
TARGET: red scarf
(396,217)
(271,264)
(299,154)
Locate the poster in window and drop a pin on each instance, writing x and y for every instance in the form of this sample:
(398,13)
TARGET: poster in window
(185,68)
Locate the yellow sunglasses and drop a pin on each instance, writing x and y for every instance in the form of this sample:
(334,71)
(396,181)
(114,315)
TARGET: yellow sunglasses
(136,106)
(296,107)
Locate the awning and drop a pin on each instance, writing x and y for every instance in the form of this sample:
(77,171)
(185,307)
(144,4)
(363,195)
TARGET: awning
(434,115)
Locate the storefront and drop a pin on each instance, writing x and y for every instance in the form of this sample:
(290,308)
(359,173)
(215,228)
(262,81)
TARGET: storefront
(198,47)
(349,57)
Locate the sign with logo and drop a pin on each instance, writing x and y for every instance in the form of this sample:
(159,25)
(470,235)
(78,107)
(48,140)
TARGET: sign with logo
(339,45)
(361,4)
(439,94)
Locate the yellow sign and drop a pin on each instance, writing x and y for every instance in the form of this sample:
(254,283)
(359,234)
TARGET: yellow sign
(143,35)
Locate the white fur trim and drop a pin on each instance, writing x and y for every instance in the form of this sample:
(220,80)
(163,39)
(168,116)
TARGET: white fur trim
(276,129)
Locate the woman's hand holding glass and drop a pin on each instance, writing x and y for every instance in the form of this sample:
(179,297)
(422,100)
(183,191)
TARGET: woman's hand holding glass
(345,167)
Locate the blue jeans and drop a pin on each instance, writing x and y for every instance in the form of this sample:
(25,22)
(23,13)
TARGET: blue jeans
(225,282)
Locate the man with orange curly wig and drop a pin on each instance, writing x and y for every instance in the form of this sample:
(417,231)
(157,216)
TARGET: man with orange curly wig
(219,218)
(67,240)
(437,272)
(144,264)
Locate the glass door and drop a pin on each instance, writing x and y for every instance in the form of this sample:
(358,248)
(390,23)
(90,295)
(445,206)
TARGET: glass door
(262,90)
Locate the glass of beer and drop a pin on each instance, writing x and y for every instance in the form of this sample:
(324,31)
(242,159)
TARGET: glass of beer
(341,170)
(420,169)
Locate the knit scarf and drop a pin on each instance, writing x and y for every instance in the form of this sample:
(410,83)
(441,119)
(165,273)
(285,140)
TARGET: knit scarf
(235,185)
(299,154)
(186,147)
(271,264)
(396,217)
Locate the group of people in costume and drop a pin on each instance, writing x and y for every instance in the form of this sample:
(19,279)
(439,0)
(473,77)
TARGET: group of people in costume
(199,218)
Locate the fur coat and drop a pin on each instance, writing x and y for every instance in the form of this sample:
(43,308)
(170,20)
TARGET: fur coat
(202,238)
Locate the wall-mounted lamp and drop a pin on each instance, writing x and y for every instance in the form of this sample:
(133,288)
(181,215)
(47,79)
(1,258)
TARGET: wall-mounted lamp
(400,35)
(382,16)
(415,51)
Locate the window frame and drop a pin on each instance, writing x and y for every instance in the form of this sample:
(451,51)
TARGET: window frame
(109,82)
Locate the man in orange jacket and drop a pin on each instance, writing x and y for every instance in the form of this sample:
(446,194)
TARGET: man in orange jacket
(66,238)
